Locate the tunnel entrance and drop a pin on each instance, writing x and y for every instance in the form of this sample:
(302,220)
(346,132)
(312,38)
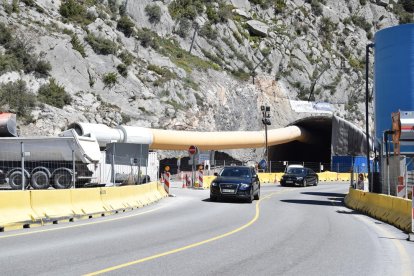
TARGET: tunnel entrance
(298,152)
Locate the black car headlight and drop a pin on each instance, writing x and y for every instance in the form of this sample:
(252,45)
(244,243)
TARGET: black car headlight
(244,186)
(214,184)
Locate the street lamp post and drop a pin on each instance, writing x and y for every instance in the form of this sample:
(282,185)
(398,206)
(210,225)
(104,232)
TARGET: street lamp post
(266,121)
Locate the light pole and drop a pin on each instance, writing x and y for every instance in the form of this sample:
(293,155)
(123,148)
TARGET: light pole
(266,121)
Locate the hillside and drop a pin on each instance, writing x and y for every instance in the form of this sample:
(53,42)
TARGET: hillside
(133,62)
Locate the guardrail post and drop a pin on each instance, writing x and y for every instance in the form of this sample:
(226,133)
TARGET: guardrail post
(73,170)
(22,157)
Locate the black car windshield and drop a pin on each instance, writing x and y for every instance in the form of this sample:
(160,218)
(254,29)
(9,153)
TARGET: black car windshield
(296,170)
(235,172)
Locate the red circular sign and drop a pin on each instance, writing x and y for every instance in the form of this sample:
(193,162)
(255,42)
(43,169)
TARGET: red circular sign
(192,150)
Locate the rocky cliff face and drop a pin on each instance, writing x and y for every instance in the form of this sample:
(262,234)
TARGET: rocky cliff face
(129,62)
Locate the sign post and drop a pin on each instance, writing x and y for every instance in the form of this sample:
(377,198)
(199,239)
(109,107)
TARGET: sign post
(192,151)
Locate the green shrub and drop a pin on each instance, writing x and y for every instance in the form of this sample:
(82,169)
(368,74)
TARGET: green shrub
(408,5)
(5,34)
(16,97)
(241,75)
(73,11)
(126,26)
(208,32)
(126,57)
(317,8)
(154,13)
(280,6)
(9,63)
(53,94)
(30,3)
(166,74)
(184,27)
(77,45)
(110,79)
(122,70)
(101,46)
(147,38)
(361,22)
(22,50)
(363,2)
(189,9)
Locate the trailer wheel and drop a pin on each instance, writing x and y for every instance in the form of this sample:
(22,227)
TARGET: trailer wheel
(62,180)
(15,180)
(39,180)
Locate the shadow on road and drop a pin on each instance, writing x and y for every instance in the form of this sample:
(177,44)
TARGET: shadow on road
(314,202)
(324,194)
(227,200)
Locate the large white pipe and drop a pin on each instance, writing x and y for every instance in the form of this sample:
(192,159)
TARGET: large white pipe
(181,140)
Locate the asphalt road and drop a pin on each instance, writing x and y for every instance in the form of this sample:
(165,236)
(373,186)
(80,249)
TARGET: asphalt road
(290,231)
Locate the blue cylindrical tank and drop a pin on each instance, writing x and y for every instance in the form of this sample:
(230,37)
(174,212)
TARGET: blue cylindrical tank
(393,75)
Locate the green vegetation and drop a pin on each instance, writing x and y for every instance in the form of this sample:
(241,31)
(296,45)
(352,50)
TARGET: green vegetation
(172,49)
(361,22)
(356,64)
(208,32)
(189,9)
(77,45)
(122,70)
(19,55)
(166,74)
(220,15)
(54,94)
(74,11)
(101,46)
(184,27)
(405,11)
(126,26)
(326,30)
(126,57)
(316,7)
(110,79)
(154,13)
(15,97)
(241,74)
(280,6)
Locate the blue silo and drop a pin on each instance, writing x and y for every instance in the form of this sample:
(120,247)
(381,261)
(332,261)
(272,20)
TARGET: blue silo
(394,75)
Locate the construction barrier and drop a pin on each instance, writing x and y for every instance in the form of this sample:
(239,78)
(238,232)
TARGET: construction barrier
(52,205)
(390,209)
(166,178)
(16,210)
(21,209)
(87,202)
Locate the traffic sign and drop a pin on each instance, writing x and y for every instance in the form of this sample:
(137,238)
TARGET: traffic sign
(263,164)
(192,150)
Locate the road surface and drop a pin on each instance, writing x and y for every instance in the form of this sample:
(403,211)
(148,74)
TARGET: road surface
(290,231)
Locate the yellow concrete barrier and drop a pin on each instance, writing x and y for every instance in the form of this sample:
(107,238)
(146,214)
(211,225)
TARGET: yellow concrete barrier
(112,200)
(207,181)
(87,201)
(131,195)
(51,205)
(15,210)
(390,209)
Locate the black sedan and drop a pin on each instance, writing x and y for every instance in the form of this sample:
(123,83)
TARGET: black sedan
(299,176)
(236,182)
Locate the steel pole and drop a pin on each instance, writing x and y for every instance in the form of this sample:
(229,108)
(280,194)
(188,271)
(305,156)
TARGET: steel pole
(22,155)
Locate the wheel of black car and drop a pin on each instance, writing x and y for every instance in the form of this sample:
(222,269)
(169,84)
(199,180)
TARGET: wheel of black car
(62,180)
(304,183)
(316,182)
(251,197)
(213,198)
(15,180)
(39,180)
(257,196)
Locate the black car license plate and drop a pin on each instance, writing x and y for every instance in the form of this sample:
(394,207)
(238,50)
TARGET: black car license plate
(229,191)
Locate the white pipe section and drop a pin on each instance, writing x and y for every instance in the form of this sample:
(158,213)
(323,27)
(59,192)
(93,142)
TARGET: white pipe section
(103,133)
